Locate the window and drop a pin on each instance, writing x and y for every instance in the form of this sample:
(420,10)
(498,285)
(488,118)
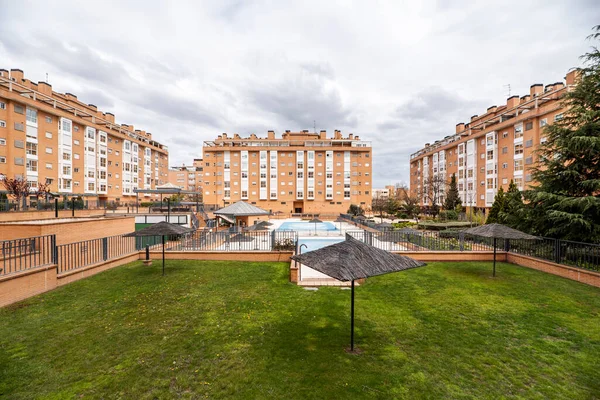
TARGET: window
(518,149)
(48,120)
(504,165)
(543,122)
(31,115)
(518,131)
(66,156)
(2,160)
(66,170)
(19,109)
(2,106)
(558,117)
(2,124)
(32,165)
(76,156)
(529,143)
(504,135)
(48,150)
(31,149)
(518,165)
(19,144)
(528,126)
(49,135)
(2,142)
(490,154)
(19,161)
(48,165)
(505,150)
(518,181)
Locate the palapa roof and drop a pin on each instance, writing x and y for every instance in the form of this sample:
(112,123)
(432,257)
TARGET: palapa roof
(257,227)
(168,185)
(162,228)
(241,208)
(498,231)
(353,259)
(384,225)
(315,221)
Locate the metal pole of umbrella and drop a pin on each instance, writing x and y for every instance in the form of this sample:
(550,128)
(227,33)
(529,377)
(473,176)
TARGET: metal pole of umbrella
(494,273)
(169,210)
(352,319)
(163,255)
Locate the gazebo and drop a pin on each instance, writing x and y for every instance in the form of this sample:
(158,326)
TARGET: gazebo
(241,214)
(351,260)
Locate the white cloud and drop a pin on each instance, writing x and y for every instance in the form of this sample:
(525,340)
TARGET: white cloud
(398,73)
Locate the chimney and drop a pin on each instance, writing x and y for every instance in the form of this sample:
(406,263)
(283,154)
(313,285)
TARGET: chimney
(473,117)
(549,87)
(3,73)
(460,127)
(149,135)
(93,107)
(323,135)
(236,136)
(351,136)
(224,135)
(558,85)
(491,109)
(536,89)
(512,102)
(45,88)
(16,75)
(270,134)
(525,99)
(110,117)
(572,77)
(71,96)
(337,134)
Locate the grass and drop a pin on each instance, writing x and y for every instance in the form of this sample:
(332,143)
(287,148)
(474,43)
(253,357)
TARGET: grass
(240,330)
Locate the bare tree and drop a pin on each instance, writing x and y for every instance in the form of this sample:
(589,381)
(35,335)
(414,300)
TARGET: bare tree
(432,191)
(18,187)
(401,191)
(42,192)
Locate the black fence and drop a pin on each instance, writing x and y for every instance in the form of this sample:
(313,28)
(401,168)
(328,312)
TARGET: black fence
(233,240)
(23,254)
(420,241)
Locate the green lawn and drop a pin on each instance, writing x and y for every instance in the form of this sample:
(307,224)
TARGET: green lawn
(240,330)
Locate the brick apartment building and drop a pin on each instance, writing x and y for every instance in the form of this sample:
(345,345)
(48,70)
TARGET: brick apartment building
(301,172)
(492,149)
(52,137)
(188,178)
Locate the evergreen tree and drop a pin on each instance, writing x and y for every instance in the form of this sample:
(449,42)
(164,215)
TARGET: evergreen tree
(497,207)
(513,214)
(565,203)
(452,197)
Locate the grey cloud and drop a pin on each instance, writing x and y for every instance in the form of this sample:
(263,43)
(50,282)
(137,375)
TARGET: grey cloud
(99,98)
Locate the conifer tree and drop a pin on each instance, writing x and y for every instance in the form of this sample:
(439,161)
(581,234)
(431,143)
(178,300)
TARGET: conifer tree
(452,197)
(565,203)
(497,207)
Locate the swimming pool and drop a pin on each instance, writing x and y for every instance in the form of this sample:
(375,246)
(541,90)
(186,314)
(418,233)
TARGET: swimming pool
(317,243)
(307,226)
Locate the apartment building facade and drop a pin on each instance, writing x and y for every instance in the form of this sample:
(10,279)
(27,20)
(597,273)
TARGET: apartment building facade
(50,137)
(301,172)
(491,150)
(188,178)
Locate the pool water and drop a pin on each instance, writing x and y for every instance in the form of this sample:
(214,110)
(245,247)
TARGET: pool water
(317,243)
(307,226)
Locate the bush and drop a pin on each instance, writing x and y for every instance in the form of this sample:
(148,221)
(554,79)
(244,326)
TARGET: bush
(449,215)
(402,215)
(284,244)
(400,225)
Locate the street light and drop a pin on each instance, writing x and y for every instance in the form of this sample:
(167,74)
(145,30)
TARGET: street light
(300,269)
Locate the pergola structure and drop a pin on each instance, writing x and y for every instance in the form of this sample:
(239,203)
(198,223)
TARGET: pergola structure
(166,189)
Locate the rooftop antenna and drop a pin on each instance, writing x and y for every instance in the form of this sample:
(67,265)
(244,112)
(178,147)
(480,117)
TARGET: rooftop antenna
(46,77)
(508,87)
(315,125)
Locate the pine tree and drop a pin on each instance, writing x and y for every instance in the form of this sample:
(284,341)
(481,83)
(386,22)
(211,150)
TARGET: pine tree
(452,197)
(513,214)
(565,203)
(497,207)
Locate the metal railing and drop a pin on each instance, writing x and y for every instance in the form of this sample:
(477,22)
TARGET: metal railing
(23,254)
(235,241)
(76,255)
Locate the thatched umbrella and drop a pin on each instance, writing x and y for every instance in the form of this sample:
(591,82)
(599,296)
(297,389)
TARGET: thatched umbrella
(316,221)
(498,231)
(384,226)
(257,227)
(161,229)
(240,238)
(352,259)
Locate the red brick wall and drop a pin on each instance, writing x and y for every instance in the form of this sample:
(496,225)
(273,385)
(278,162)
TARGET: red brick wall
(576,274)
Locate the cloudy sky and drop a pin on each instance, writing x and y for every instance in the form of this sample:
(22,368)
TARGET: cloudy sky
(398,73)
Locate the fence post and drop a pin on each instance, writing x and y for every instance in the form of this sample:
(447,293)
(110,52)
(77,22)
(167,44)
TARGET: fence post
(557,251)
(507,245)
(461,241)
(56,208)
(105,248)
(273,240)
(54,249)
